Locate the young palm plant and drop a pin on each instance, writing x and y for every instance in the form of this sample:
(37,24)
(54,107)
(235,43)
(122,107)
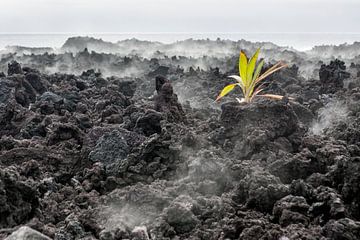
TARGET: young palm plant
(249,79)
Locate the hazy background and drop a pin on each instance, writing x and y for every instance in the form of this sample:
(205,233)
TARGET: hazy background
(179,16)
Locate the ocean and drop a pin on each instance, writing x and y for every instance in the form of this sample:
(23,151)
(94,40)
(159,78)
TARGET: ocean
(299,41)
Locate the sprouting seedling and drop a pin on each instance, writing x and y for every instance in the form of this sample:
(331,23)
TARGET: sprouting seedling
(249,78)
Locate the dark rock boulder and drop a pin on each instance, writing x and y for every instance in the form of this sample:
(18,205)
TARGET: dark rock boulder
(332,76)
(18,199)
(35,126)
(93,136)
(327,204)
(252,233)
(346,176)
(131,156)
(149,123)
(351,187)
(127,87)
(291,210)
(73,229)
(36,82)
(347,130)
(179,215)
(49,102)
(51,97)
(260,190)
(299,231)
(8,108)
(112,96)
(251,128)
(111,150)
(342,229)
(14,68)
(24,92)
(60,132)
(153,159)
(274,115)
(299,166)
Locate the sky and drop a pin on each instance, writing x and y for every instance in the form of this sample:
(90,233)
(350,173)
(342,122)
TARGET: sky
(71,16)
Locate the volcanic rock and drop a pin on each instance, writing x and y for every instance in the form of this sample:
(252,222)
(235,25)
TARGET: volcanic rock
(332,76)
(26,233)
(14,68)
(18,199)
(167,102)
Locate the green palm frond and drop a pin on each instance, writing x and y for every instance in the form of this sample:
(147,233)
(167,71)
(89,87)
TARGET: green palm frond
(249,78)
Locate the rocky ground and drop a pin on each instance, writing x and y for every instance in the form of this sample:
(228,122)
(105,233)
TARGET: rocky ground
(91,156)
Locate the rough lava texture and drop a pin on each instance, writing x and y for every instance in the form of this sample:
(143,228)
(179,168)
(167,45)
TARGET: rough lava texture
(85,156)
(332,76)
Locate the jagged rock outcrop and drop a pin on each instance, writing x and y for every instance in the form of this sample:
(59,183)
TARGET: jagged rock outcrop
(332,76)
(14,68)
(167,102)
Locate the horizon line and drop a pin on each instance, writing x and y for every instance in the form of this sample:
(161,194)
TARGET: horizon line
(146,33)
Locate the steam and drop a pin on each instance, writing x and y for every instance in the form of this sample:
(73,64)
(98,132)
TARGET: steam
(284,238)
(126,216)
(345,51)
(309,70)
(132,211)
(130,71)
(108,57)
(332,113)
